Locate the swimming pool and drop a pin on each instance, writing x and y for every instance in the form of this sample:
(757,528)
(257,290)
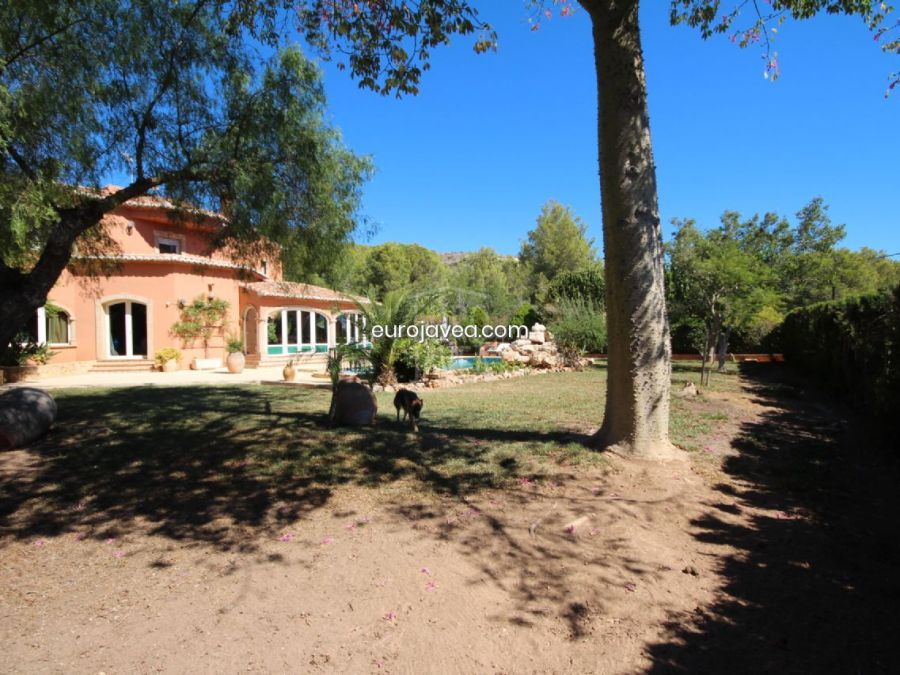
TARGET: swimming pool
(465,362)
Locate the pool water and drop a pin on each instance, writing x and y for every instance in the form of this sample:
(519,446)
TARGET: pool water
(465,362)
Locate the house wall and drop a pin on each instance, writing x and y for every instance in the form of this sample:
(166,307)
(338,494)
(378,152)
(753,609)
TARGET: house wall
(160,286)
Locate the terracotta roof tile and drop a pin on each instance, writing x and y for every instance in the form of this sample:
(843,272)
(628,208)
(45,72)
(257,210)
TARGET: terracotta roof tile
(292,289)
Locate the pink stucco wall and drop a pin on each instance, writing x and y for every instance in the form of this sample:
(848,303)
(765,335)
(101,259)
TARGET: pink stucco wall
(159,284)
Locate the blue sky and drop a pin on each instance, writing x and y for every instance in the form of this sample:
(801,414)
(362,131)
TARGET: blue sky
(490,138)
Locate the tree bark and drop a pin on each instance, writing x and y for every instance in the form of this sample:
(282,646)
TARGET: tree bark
(724,339)
(636,420)
(22,293)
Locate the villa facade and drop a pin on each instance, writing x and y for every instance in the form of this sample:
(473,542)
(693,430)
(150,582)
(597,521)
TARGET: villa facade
(120,320)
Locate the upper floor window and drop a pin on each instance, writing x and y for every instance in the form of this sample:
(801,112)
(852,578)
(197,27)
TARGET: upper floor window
(168,245)
(264,268)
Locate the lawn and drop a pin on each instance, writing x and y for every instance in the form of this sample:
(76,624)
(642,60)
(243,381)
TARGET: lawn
(188,459)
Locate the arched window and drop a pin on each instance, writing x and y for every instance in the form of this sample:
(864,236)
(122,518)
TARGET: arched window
(51,325)
(57,326)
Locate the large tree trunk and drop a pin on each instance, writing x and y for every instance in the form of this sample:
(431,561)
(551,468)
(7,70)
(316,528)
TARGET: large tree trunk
(636,420)
(22,293)
(724,339)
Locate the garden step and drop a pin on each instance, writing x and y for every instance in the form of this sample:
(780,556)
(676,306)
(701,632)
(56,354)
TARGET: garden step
(122,366)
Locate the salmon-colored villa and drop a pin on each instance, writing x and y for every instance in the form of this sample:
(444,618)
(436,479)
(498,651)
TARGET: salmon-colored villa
(120,321)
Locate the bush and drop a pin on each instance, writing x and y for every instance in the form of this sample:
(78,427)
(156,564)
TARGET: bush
(22,350)
(415,358)
(166,354)
(526,315)
(501,366)
(853,347)
(580,324)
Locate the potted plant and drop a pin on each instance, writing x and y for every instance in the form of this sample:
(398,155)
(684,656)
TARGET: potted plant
(167,359)
(289,371)
(203,318)
(235,359)
(21,358)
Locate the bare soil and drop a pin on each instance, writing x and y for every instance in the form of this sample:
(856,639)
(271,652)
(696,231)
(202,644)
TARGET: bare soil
(773,548)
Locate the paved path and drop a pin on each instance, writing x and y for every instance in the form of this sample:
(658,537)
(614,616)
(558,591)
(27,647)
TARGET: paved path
(220,376)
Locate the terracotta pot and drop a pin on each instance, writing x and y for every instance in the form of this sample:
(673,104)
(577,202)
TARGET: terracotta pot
(235,362)
(289,373)
(20,373)
(170,365)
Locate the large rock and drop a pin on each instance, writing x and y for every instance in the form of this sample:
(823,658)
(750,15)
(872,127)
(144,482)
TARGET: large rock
(353,404)
(538,334)
(25,415)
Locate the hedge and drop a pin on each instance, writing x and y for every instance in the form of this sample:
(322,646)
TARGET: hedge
(853,348)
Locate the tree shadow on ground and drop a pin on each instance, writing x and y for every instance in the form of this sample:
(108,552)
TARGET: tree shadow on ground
(205,464)
(812,585)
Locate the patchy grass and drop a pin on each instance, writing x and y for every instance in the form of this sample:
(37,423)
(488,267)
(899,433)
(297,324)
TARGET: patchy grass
(185,457)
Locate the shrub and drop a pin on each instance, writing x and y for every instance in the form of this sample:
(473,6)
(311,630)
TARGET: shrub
(853,347)
(201,319)
(24,349)
(580,324)
(166,354)
(415,358)
(479,367)
(234,345)
(526,315)
(501,366)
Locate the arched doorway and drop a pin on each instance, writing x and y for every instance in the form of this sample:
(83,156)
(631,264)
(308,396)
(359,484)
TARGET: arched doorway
(251,331)
(126,323)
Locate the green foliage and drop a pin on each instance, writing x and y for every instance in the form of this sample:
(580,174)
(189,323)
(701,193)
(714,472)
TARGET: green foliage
(740,278)
(22,350)
(501,366)
(760,25)
(853,347)
(387,45)
(234,345)
(586,284)
(354,356)
(393,267)
(397,308)
(195,101)
(526,315)
(415,358)
(580,324)
(166,354)
(488,280)
(557,244)
(479,367)
(202,319)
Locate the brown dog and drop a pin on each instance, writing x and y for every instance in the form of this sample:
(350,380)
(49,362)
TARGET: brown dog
(411,405)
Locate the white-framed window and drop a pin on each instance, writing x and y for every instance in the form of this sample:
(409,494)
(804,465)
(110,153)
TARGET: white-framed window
(53,327)
(166,245)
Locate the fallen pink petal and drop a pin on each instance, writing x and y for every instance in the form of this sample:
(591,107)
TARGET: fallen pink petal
(390,616)
(286,537)
(431,586)
(81,536)
(118,554)
(327,540)
(40,542)
(630,587)
(425,570)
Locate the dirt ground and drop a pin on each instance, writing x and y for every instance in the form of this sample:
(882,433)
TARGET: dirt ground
(772,549)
